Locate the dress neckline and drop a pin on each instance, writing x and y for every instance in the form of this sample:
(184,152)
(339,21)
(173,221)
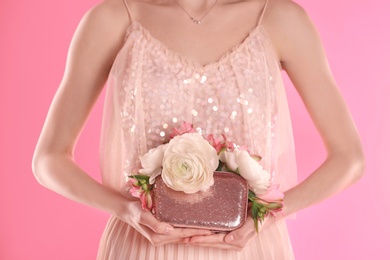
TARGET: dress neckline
(136,26)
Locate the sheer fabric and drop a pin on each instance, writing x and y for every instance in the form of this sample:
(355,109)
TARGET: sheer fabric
(152,89)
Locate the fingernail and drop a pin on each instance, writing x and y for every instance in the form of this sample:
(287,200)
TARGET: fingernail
(230,237)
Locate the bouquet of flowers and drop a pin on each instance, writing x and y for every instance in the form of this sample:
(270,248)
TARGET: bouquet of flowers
(187,164)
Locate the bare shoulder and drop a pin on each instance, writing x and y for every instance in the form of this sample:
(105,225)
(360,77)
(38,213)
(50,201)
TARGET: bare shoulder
(107,16)
(98,38)
(287,21)
(285,8)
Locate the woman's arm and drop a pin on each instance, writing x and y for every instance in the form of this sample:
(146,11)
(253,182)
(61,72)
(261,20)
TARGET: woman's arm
(95,44)
(301,54)
(88,63)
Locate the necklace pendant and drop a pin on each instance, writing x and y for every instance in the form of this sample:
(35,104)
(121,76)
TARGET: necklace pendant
(195,21)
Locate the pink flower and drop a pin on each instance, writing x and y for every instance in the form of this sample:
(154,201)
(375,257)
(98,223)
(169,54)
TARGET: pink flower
(146,200)
(225,144)
(217,144)
(136,191)
(273,194)
(272,200)
(229,145)
(141,189)
(184,128)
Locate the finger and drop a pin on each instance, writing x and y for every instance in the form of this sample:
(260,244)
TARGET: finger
(179,235)
(147,219)
(242,234)
(191,232)
(159,239)
(216,238)
(186,240)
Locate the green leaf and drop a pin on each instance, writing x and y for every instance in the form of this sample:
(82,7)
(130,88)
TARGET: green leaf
(274,205)
(140,177)
(256,221)
(220,165)
(251,194)
(255,212)
(145,187)
(256,224)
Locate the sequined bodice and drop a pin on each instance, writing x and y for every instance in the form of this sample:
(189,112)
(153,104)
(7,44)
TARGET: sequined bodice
(152,89)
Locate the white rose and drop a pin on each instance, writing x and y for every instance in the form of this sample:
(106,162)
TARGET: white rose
(189,163)
(230,159)
(258,178)
(152,162)
(241,161)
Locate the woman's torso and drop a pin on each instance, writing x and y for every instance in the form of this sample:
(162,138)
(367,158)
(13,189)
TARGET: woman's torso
(223,81)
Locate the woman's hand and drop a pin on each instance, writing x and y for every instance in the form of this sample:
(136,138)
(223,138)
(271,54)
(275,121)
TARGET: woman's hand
(159,233)
(235,240)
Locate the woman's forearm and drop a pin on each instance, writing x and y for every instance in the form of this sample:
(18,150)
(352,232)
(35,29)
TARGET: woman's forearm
(59,173)
(337,172)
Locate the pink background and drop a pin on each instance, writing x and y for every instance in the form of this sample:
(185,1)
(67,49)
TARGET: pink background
(39,224)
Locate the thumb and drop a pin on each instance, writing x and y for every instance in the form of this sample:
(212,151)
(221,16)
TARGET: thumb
(241,234)
(230,237)
(147,219)
(236,238)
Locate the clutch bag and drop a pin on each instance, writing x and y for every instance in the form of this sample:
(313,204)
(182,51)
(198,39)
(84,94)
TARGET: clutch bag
(223,207)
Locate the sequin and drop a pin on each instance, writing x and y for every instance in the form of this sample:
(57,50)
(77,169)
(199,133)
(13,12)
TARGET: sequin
(194,112)
(233,115)
(203,79)
(160,89)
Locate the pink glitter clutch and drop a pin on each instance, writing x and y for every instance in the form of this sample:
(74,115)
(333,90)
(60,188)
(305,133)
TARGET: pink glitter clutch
(223,207)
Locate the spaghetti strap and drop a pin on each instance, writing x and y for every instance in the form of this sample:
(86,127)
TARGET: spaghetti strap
(128,10)
(263,12)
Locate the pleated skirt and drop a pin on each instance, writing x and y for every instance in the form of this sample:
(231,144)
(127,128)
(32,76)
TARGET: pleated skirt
(121,241)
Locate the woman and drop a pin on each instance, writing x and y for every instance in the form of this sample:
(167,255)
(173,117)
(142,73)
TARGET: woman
(215,64)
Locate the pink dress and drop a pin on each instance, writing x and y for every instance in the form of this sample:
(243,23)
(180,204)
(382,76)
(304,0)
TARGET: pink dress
(152,89)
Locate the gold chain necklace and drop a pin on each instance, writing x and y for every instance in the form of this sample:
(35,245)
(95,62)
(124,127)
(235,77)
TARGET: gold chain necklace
(196,21)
